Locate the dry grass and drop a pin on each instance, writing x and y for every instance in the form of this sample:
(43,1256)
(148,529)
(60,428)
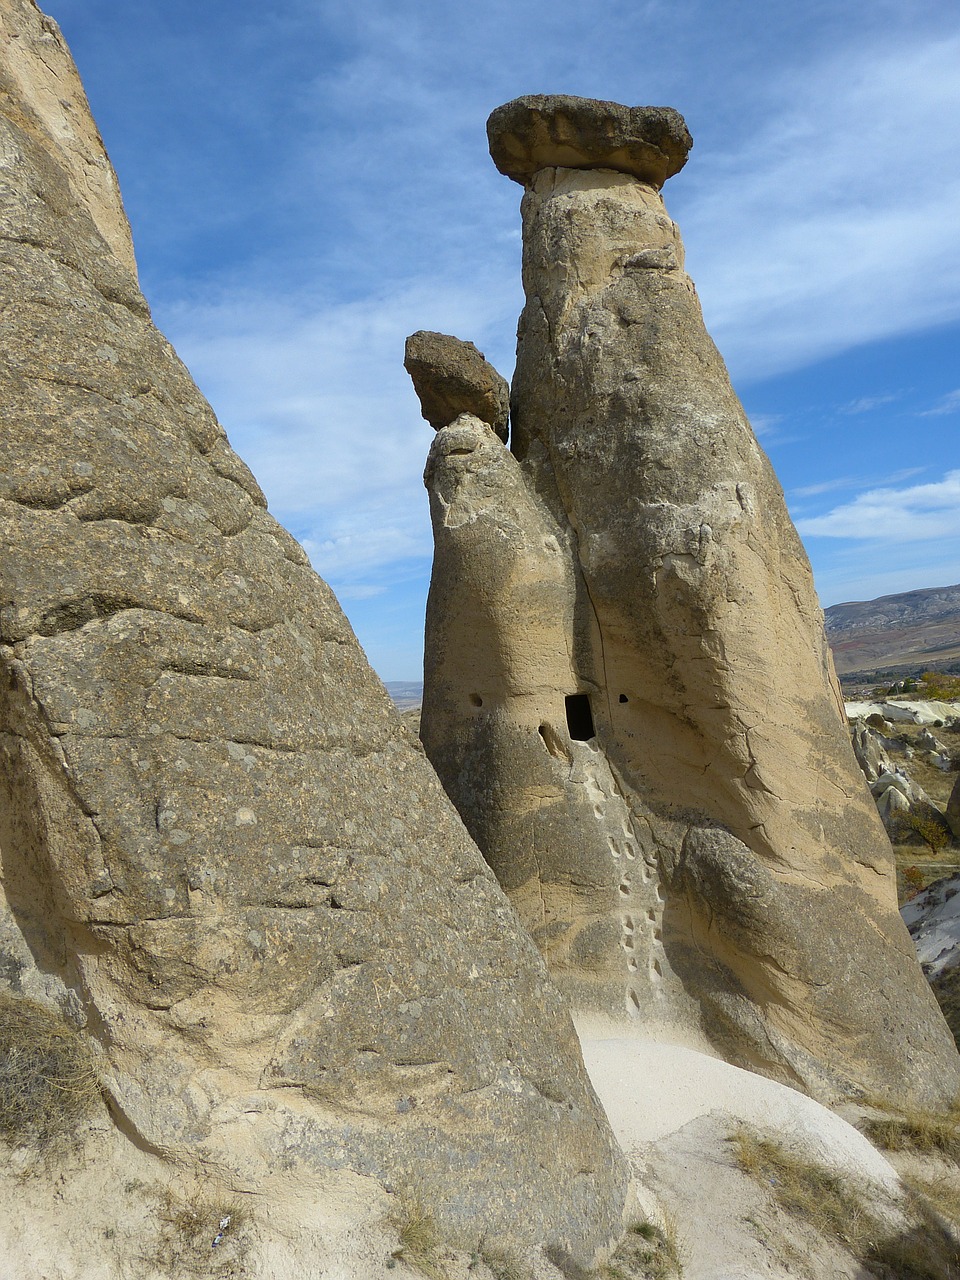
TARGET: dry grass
(48,1080)
(418,1236)
(913,1129)
(839,1208)
(501,1264)
(649,1252)
(940,1194)
(184,1246)
(809,1192)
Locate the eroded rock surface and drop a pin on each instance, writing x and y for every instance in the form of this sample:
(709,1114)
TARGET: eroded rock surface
(222,856)
(628,692)
(542,131)
(452,377)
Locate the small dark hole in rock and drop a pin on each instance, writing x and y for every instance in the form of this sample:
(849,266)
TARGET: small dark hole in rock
(623,698)
(579,717)
(476,699)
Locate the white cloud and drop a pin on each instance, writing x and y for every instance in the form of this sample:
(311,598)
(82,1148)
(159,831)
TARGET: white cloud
(835,224)
(917,513)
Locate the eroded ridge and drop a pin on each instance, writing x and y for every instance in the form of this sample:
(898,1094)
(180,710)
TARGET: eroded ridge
(222,859)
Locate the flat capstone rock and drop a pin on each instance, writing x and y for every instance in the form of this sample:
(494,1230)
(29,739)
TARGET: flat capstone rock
(541,131)
(452,377)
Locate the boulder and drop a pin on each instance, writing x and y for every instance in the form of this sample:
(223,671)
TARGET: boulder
(224,862)
(540,131)
(452,377)
(893,806)
(927,741)
(868,747)
(896,780)
(628,693)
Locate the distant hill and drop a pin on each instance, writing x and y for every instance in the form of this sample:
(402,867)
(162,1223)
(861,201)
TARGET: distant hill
(406,694)
(916,629)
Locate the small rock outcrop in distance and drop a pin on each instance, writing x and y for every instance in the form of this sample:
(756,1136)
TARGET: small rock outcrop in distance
(933,918)
(952,813)
(224,862)
(896,793)
(627,689)
(452,377)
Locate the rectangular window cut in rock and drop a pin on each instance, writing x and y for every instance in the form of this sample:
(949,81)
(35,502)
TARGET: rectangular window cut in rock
(579,717)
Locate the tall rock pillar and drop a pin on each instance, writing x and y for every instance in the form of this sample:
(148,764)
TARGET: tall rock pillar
(725,874)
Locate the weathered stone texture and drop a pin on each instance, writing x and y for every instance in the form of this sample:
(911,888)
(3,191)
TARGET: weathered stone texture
(221,853)
(452,377)
(542,131)
(659,771)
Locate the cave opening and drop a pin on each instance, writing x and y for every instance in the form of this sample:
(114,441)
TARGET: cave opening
(579,717)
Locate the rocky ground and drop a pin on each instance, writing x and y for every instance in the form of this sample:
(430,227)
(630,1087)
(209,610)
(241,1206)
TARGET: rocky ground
(929,851)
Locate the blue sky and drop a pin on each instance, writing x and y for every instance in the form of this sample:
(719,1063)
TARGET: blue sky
(308,182)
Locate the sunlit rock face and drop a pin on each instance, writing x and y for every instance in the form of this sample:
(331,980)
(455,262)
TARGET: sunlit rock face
(222,857)
(628,693)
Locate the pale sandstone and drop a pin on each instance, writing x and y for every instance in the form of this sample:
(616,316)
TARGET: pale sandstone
(223,859)
(660,771)
(42,91)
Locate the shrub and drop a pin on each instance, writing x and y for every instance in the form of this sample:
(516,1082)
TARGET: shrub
(924,821)
(939,686)
(202,1239)
(48,1081)
(649,1251)
(913,879)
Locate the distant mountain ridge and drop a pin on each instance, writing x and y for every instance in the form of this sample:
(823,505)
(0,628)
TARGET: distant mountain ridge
(406,694)
(912,628)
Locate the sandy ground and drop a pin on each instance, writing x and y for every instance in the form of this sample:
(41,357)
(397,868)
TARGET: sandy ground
(673,1109)
(112,1212)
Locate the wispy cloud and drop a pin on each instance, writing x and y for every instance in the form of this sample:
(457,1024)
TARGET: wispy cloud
(316,399)
(766,425)
(825,486)
(801,243)
(866,404)
(919,512)
(949,404)
(853,482)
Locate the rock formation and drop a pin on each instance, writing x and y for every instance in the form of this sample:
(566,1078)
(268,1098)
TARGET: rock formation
(223,859)
(452,377)
(896,793)
(627,692)
(953,809)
